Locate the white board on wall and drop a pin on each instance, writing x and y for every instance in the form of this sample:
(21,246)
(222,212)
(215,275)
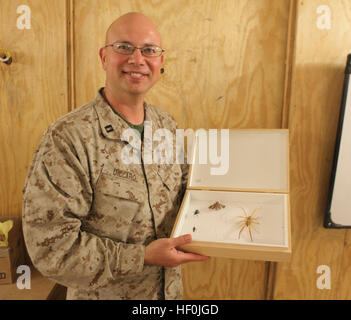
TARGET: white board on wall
(339,207)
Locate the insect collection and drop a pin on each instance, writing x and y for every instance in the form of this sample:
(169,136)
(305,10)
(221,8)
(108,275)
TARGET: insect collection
(244,213)
(248,221)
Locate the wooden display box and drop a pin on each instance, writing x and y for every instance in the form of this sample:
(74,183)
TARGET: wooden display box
(256,184)
(12,255)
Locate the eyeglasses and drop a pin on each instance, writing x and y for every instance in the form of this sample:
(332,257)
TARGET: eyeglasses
(128,49)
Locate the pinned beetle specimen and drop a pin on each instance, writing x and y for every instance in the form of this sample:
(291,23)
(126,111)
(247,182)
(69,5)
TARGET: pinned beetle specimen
(196,212)
(216,206)
(194,229)
(248,221)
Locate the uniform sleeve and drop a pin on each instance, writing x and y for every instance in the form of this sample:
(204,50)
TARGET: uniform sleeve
(57,194)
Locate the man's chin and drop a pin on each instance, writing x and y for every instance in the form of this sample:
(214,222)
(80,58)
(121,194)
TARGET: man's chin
(137,90)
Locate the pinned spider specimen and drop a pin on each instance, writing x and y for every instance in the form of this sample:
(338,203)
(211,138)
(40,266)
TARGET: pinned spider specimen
(248,221)
(216,206)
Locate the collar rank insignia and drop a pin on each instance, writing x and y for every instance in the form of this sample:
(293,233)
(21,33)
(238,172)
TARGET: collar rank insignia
(108,128)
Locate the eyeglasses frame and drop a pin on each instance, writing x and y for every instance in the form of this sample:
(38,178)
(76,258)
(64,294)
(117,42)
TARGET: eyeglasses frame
(135,47)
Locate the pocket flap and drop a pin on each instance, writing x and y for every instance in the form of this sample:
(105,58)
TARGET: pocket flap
(119,188)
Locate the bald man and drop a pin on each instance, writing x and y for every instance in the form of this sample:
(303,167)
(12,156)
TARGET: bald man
(92,221)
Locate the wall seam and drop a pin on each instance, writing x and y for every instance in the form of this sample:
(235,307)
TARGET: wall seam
(70,55)
(289,63)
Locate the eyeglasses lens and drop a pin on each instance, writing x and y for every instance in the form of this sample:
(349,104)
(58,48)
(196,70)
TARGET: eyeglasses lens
(148,51)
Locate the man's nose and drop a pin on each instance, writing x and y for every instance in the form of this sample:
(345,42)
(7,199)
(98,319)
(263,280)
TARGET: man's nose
(136,57)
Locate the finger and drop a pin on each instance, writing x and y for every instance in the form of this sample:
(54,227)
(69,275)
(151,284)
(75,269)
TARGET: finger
(188,257)
(181,240)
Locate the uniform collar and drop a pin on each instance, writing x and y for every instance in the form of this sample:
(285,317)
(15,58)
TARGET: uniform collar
(111,124)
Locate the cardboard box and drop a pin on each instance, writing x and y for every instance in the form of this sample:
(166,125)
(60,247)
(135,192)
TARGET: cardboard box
(12,255)
(252,220)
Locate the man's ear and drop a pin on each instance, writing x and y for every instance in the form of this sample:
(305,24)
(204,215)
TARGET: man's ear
(102,57)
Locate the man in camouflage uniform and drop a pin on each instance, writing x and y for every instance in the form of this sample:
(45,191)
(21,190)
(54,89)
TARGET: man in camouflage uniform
(91,221)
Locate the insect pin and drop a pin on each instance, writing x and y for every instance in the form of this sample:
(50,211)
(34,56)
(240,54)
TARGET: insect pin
(248,221)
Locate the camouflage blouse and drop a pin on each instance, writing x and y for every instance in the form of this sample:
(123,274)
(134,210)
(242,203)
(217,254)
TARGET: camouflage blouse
(88,215)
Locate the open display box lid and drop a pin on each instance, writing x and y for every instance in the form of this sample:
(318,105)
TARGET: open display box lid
(257,161)
(254,180)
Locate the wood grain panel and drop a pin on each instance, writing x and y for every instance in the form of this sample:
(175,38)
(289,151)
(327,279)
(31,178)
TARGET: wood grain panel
(342,282)
(226,71)
(316,88)
(33,90)
(224,68)
(225,279)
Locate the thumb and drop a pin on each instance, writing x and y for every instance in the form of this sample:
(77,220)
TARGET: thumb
(181,240)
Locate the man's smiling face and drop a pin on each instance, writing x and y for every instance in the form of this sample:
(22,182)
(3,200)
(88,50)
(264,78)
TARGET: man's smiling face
(135,73)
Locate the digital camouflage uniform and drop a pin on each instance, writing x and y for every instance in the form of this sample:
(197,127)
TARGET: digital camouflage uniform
(87,216)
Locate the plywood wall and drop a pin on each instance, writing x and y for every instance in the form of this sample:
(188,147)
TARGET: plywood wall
(221,64)
(221,60)
(322,42)
(228,64)
(33,89)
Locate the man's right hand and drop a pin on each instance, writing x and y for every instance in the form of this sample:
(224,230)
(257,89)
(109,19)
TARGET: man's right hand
(163,252)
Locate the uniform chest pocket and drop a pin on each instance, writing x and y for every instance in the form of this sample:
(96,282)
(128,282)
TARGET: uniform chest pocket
(119,188)
(116,203)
